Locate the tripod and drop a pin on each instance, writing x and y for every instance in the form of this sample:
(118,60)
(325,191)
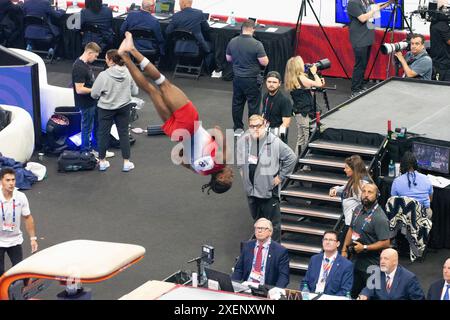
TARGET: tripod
(298,28)
(325,97)
(393,20)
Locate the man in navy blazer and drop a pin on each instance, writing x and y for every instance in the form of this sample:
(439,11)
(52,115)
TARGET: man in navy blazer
(273,266)
(329,272)
(440,290)
(193,20)
(42,8)
(393,282)
(143,19)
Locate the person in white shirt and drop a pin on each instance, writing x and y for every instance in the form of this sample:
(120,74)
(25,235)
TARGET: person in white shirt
(13,207)
(440,290)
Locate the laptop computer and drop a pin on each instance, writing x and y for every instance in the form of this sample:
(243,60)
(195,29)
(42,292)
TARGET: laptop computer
(224,281)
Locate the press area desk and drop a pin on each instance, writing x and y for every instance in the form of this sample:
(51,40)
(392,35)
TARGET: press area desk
(277,40)
(160,290)
(440,232)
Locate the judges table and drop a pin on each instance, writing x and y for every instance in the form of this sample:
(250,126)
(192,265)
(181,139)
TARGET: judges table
(277,41)
(440,235)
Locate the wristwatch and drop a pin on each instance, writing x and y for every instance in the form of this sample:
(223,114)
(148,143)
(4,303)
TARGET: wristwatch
(33,238)
(365,248)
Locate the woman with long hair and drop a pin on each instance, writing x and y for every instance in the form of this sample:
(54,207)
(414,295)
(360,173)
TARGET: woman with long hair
(297,82)
(350,193)
(114,87)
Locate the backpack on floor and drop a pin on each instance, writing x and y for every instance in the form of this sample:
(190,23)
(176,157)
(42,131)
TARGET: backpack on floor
(75,161)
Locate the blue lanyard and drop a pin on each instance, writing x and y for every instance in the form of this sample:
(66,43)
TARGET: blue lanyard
(366,220)
(14,212)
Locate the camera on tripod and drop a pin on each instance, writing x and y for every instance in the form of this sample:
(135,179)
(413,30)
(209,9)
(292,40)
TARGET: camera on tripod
(321,65)
(388,48)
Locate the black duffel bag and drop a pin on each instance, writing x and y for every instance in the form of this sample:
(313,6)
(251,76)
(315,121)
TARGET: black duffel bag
(76,161)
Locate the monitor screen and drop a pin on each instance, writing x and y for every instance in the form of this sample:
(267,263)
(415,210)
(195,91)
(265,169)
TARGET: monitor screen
(431,157)
(165,6)
(383,22)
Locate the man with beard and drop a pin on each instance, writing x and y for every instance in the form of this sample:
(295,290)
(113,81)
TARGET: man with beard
(366,237)
(396,282)
(277,108)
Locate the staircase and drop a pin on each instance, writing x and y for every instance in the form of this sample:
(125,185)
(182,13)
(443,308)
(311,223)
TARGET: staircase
(307,210)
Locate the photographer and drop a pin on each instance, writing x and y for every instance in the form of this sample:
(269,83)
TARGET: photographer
(299,85)
(277,108)
(416,63)
(367,235)
(440,42)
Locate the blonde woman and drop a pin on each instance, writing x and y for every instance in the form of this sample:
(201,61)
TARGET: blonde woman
(299,85)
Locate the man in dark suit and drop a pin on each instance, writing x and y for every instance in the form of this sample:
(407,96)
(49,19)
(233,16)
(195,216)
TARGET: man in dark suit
(193,20)
(42,8)
(95,13)
(329,272)
(11,19)
(144,20)
(263,261)
(440,290)
(394,282)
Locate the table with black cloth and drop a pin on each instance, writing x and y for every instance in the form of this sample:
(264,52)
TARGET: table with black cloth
(440,232)
(278,44)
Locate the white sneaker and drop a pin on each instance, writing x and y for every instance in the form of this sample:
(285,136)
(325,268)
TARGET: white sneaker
(238,132)
(215,74)
(128,166)
(109,154)
(103,165)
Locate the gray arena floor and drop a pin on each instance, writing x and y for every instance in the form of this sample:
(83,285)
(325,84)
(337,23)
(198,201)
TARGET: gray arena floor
(159,205)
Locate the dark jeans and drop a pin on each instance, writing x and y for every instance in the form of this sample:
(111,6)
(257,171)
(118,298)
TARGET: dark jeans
(362,55)
(88,116)
(269,209)
(245,90)
(359,282)
(15,255)
(106,118)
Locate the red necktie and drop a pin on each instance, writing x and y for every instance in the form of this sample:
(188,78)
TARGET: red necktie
(388,284)
(258,261)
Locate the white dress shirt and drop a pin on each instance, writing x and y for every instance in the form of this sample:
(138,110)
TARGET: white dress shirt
(444,289)
(391,278)
(320,285)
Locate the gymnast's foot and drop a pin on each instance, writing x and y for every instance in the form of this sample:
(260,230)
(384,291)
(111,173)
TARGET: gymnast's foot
(127,44)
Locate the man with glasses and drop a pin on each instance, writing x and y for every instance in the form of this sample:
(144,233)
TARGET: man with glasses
(264,161)
(416,63)
(263,261)
(329,272)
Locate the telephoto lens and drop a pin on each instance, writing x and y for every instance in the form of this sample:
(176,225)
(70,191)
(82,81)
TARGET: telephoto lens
(388,48)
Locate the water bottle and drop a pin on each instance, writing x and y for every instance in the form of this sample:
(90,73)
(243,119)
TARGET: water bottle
(391,169)
(231,19)
(305,292)
(348,295)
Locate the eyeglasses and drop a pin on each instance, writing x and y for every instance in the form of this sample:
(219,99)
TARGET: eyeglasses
(261,228)
(256,126)
(329,240)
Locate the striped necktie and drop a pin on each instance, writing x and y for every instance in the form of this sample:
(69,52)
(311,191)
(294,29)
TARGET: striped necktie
(388,284)
(446,295)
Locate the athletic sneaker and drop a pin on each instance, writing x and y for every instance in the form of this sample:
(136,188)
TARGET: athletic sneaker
(109,154)
(238,132)
(128,166)
(103,165)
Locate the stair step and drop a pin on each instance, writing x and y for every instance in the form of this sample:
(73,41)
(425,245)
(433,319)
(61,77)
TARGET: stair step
(304,227)
(311,211)
(301,247)
(343,147)
(326,161)
(299,264)
(320,177)
(309,193)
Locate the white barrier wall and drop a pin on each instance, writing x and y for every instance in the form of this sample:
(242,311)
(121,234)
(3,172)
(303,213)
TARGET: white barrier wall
(282,10)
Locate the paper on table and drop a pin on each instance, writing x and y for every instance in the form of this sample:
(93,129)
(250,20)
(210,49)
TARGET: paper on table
(72,10)
(219,25)
(271,29)
(439,182)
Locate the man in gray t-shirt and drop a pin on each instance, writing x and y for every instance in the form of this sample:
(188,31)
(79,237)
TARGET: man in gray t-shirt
(362,35)
(247,56)
(416,63)
(367,235)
